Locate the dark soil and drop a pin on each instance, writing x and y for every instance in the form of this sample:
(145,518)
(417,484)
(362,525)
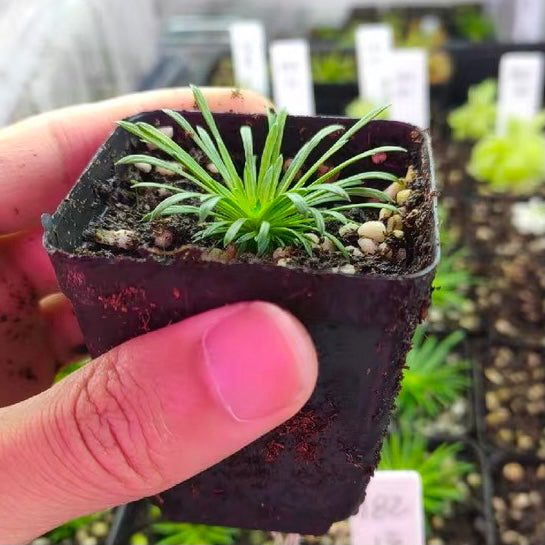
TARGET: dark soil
(126,206)
(513,397)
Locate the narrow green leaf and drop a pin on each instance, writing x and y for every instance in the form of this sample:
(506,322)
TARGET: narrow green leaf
(262,237)
(319,219)
(233,230)
(207,205)
(299,202)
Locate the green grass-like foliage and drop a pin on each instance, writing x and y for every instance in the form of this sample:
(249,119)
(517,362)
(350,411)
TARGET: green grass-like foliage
(333,67)
(431,382)
(441,472)
(264,206)
(513,161)
(477,117)
(451,277)
(68,529)
(182,533)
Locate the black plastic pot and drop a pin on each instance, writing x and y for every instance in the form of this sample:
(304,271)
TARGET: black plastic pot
(314,469)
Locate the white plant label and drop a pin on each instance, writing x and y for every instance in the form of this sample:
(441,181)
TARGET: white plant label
(249,54)
(408,87)
(520,86)
(291,77)
(393,511)
(374,43)
(528,21)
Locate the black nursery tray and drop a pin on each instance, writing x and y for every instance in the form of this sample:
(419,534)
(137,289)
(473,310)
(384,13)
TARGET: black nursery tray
(314,469)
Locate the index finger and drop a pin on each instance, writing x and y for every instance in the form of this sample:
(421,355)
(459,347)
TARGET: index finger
(40,158)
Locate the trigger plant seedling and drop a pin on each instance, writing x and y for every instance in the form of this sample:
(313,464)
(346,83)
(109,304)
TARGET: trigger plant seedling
(332,219)
(261,201)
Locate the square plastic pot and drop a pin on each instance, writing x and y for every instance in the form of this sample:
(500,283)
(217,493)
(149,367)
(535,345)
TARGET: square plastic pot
(313,470)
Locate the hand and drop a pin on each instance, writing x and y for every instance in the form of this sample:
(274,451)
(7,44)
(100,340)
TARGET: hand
(155,410)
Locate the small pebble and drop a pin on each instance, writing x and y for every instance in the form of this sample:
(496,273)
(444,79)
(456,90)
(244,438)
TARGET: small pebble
(525,442)
(119,238)
(348,269)
(510,537)
(397,233)
(521,501)
(367,245)
(212,168)
(513,472)
(281,252)
(497,417)
(385,250)
(394,223)
(474,480)
(536,392)
(384,213)
(375,230)
(144,167)
(99,528)
(167,130)
(348,228)
(352,250)
(402,196)
(313,238)
(165,171)
(540,473)
(393,189)
(327,245)
(284,262)
(498,504)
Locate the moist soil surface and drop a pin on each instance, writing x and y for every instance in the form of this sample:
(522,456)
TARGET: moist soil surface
(163,237)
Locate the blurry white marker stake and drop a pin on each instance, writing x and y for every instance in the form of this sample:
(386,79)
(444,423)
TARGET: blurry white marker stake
(408,87)
(520,86)
(248,50)
(528,20)
(374,43)
(292,82)
(393,512)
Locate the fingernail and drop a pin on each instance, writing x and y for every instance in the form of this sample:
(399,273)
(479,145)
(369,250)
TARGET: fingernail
(258,360)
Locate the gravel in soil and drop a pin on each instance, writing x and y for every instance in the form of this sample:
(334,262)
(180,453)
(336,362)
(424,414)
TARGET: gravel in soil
(519,503)
(514,397)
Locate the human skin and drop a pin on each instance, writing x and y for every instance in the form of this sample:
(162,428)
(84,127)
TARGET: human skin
(149,413)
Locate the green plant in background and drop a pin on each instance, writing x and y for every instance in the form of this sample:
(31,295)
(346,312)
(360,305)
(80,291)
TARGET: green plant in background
(452,277)
(69,529)
(333,67)
(182,533)
(66,370)
(477,117)
(432,380)
(165,532)
(266,206)
(360,107)
(470,22)
(442,473)
(513,161)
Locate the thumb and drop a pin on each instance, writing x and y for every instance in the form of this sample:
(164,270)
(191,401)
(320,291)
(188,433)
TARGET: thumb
(149,414)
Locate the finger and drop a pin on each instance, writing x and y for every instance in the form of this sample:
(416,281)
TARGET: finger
(42,156)
(65,336)
(25,251)
(151,413)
